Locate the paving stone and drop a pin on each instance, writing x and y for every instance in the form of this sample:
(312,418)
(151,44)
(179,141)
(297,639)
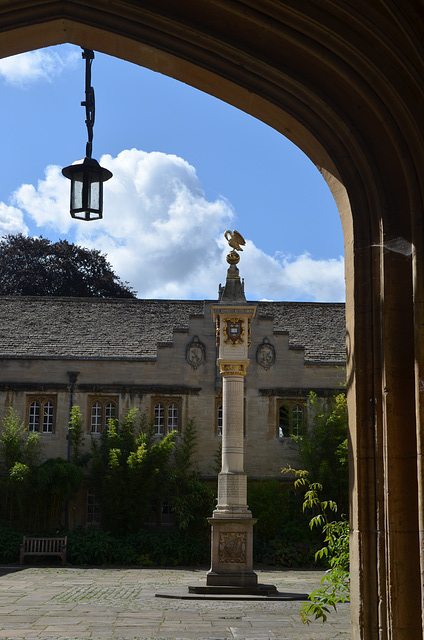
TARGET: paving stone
(119,604)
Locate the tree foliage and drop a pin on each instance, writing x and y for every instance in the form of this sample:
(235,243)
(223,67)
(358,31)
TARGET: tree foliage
(32,495)
(322,448)
(39,267)
(17,446)
(190,499)
(134,474)
(79,457)
(335,585)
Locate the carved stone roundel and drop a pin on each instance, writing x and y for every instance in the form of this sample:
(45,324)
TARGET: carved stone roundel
(265,354)
(195,353)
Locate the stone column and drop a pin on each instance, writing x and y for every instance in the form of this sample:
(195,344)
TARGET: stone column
(232,488)
(232,522)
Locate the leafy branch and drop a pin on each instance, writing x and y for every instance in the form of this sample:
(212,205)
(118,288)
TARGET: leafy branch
(335,584)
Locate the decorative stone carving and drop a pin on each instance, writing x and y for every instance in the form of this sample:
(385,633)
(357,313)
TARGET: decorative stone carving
(234,330)
(236,369)
(265,354)
(195,353)
(232,547)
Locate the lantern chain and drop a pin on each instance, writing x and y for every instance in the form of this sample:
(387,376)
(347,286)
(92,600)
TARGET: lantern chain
(89,102)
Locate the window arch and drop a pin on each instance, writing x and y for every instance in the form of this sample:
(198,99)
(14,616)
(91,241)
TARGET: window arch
(297,420)
(101,410)
(93,514)
(290,419)
(283,421)
(41,415)
(166,416)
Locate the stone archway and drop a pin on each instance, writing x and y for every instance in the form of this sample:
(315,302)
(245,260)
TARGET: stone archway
(344,82)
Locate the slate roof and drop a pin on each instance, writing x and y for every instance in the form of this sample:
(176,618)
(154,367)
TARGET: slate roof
(319,327)
(122,328)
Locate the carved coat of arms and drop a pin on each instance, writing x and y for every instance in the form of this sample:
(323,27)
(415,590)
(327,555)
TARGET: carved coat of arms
(195,353)
(265,354)
(234,330)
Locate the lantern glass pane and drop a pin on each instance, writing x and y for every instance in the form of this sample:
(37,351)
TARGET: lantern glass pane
(94,195)
(76,191)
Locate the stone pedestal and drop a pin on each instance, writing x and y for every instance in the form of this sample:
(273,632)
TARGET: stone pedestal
(232,552)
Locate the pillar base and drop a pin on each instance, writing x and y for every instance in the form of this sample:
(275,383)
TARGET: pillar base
(218,589)
(231,553)
(233,579)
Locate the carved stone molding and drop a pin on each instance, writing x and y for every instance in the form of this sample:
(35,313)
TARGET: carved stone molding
(232,369)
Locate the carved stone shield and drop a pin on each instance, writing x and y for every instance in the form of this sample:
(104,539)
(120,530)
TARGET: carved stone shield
(195,353)
(265,354)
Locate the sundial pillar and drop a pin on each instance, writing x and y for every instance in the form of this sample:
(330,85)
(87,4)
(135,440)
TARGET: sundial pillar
(232,522)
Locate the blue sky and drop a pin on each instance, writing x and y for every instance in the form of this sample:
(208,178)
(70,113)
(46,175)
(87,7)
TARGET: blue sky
(186,168)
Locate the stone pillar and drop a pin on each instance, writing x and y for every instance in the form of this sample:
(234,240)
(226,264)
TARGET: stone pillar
(232,488)
(232,522)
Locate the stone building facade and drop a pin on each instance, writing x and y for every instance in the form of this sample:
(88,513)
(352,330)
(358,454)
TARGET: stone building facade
(108,356)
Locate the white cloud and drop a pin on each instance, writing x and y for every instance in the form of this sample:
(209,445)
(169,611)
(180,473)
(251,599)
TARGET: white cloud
(48,204)
(164,237)
(319,279)
(293,278)
(32,66)
(11,220)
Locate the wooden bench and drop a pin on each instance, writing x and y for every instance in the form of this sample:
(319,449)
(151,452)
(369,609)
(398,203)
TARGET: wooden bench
(43,547)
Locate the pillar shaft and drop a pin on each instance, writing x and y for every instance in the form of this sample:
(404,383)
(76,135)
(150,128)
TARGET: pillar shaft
(232,522)
(232,419)
(232,481)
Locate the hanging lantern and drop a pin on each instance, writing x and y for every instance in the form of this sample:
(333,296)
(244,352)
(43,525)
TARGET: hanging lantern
(87,176)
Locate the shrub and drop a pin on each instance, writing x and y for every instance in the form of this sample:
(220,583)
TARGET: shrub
(322,448)
(10,539)
(281,535)
(335,585)
(16,444)
(146,548)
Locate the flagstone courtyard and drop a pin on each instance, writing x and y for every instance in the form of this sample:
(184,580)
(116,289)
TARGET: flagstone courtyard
(152,603)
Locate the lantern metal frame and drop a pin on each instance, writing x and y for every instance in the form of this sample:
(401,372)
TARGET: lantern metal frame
(87,176)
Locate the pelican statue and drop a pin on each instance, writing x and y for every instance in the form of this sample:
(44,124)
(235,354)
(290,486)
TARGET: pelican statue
(234,239)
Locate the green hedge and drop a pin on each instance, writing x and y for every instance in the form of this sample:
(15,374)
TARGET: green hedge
(282,537)
(145,548)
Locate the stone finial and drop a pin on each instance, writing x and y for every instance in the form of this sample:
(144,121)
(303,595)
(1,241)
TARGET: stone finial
(233,291)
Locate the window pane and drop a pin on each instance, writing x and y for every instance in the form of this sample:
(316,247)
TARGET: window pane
(219,421)
(96,417)
(110,410)
(48,417)
(167,517)
(159,419)
(34,417)
(93,508)
(297,420)
(172,418)
(283,422)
